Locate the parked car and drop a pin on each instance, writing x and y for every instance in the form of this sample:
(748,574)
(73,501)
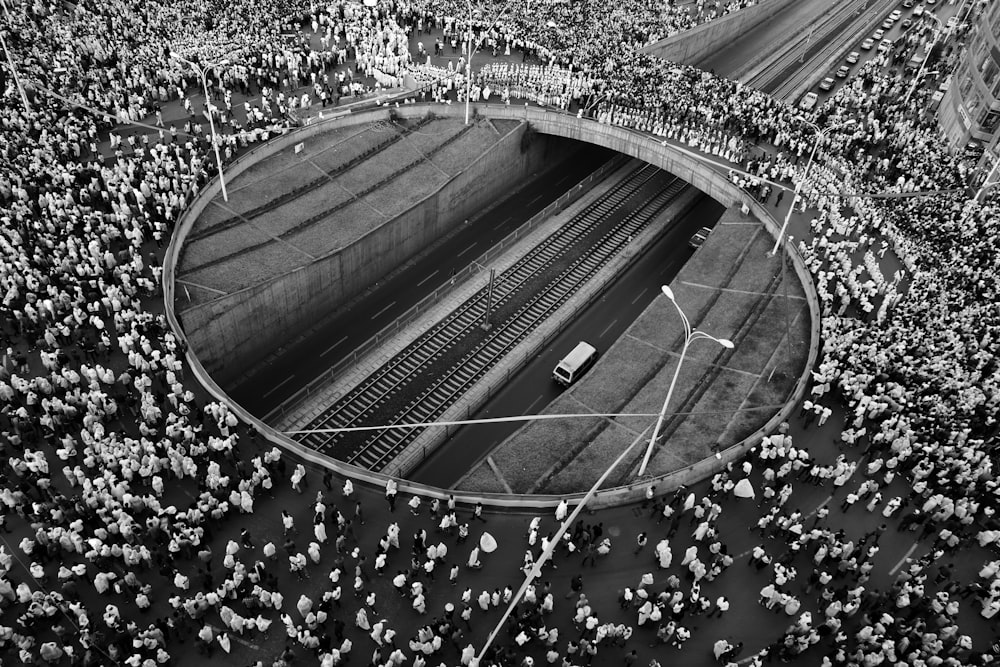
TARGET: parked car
(878,34)
(908,3)
(886,24)
(700,237)
(895,15)
(907,22)
(843,72)
(853,57)
(827,83)
(886,45)
(868,44)
(808,101)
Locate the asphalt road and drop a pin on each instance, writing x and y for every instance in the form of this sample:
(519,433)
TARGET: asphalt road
(531,389)
(289,369)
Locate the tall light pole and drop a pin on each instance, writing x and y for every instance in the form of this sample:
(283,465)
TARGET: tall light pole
(536,569)
(820,134)
(471,50)
(986,183)
(923,63)
(468,62)
(202,72)
(10,63)
(690,335)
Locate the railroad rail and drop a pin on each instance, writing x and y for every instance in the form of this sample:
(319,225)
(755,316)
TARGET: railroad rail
(583,245)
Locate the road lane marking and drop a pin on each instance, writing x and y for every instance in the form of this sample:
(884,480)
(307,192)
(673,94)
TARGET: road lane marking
(639,295)
(533,404)
(607,327)
(903,559)
(467,249)
(504,222)
(277,386)
(323,353)
(534,200)
(383,310)
(427,278)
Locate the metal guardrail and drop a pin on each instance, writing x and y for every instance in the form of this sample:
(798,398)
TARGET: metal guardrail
(412,313)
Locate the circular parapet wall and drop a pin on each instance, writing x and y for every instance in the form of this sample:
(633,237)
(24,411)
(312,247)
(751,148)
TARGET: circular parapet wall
(709,174)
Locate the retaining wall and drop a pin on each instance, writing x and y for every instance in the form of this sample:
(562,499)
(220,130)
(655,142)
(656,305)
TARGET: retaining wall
(708,174)
(692,46)
(241,327)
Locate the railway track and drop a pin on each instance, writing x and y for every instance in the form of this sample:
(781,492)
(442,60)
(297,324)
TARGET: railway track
(403,390)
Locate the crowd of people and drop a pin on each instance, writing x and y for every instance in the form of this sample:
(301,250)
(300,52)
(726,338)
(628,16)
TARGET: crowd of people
(127,493)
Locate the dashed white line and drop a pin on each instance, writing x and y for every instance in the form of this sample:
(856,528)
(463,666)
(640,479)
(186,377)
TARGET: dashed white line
(639,295)
(608,327)
(534,200)
(427,278)
(277,386)
(383,310)
(533,404)
(323,353)
(467,249)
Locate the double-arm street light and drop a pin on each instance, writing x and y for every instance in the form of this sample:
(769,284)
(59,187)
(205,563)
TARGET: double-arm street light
(690,335)
(923,64)
(820,134)
(202,72)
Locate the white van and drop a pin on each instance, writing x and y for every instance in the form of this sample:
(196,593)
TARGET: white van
(574,364)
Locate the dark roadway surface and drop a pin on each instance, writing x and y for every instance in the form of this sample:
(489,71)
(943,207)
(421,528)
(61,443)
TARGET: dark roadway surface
(280,376)
(607,318)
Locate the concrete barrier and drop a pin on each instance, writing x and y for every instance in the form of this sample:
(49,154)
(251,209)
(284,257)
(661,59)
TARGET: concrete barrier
(703,171)
(245,325)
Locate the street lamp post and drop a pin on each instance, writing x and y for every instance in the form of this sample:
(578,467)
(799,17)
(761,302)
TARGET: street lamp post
(690,335)
(798,186)
(986,183)
(10,63)
(202,72)
(468,63)
(923,63)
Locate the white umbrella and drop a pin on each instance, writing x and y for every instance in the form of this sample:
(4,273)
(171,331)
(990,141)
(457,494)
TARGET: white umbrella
(743,489)
(488,543)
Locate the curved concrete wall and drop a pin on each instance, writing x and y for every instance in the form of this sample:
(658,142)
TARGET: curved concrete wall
(243,326)
(707,173)
(691,46)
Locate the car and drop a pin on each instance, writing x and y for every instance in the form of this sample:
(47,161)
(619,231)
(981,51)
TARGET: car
(895,15)
(808,101)
(878,34)
(886,24)
(907,4)
(843,72)
(907,22)
(868,44)
(700,237)
(827,83)
(886,45)
(575,364)
(853,57)
(931,2)
(918,11)
(952,23)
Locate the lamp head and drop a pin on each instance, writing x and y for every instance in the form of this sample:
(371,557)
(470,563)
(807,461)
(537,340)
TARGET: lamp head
(726,343)
(667,292)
